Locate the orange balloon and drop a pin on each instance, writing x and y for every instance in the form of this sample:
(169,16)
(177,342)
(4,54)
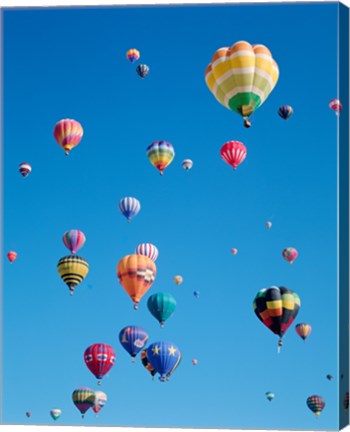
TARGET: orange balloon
(136,274)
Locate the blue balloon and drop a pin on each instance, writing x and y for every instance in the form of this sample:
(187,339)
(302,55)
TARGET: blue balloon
(129,206)
(133,339)
(196,294)
(162,306)
(163,356)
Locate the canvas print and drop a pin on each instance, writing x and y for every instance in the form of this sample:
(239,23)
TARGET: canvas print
(175,216)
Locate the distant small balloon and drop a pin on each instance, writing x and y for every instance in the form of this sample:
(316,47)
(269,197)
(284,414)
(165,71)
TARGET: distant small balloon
(55,413)
(234,251)
(187,164)
(268,225)
(270,396)
(11,256)
(290,254)
(147,249)
(133,55)
(25,169)
(68,134)
(303,330)
(28,414)
(285,111)
(233,153)
(178,280)
(129,207)
(142,70)
(316,404)
(196,294)
(336,106)
(194,362)
(329,377)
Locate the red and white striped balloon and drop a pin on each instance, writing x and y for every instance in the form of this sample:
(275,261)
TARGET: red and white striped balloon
(336,106)
(233,153)
(25,169)
(147,249)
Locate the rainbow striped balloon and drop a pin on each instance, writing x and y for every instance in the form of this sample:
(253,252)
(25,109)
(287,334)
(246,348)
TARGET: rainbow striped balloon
(74,240)
(160,154)
(68,134)
(242,77)
(133,54)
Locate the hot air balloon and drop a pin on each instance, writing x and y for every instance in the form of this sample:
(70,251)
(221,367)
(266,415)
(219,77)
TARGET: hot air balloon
(268,225)
(276,308)
(269,396)
(178,280)
(163,356)
(285,111)
(148,250)
(99,358)
(28,414)
(316,404)
(25,169)
(142,70)
(100,401)
(74,240)
(55,413)
(241,77)
(336,106)
(68,134)
(233,153)
(290,254)
(329,377)
(194,362)
(83,399)
(136,274)
(129,206)
(160,154)
(73,270)
(146,363)
(196,294)
(11,256)
(162,306)
(168,375)
(303,330)
(133,55)
(133,339)
(187,164)
(346,400)
(234,251)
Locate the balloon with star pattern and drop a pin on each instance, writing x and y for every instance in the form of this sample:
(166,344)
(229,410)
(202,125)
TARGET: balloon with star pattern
(163,356)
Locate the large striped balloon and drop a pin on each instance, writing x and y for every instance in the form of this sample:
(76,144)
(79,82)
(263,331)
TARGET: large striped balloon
(233,153)
(276,308)
(241,77)
(73,240)
(73,270)
(83,399)
(99,358)
(129,206)
(315,404)
(147,249)
(160,154)
(68,134)
(136,273)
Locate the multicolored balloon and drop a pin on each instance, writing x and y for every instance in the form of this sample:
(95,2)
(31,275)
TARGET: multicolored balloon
(129,207)
(160,154)
(24,169)
(83,399)
(233,153)
(142,70)
(99,358)
(73,270)
(55,413)
(268,224)
(187,164)
(133,339)
(178,280)
(133,55)
(303,330)
(285,111)
(147,249)
(100,401)
(234,251)
(136,273)
(270,396)
(162,306)
(163,356)
(276,308)
(290,254)
(68,134)
(11,256)
(336,106)
(315,404)
(194,362)
(241,77)
(146,363)
(196,294)
(74,240)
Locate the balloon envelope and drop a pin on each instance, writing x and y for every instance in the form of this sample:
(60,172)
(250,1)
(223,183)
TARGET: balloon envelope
(83,398)
(285,111)
(68,134)
(147,249)
(99,358)
(129,207)
(162,306)
(133,339)
(303,330)
(163,356)
(316,404)
(146,363)
(11,256)
(25,169)
(74,240)
(142,70)
(100,401)
(187,164)
(290,254)
(133,55)
(270,395)
(73,270)
(336,106)
(233,153)
(178,280)
(55,413)
(160,154)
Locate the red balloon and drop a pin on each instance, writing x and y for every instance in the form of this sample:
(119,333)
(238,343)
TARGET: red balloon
(233,153)
(99,358)
(11,256)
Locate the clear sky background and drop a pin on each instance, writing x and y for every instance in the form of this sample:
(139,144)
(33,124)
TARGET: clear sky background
(61,63)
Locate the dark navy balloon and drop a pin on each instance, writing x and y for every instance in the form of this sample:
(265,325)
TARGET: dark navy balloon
(285,111)
(133,339)
(196,294)
(163,356)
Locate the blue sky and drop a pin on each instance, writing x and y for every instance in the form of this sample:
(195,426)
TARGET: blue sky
(61,63)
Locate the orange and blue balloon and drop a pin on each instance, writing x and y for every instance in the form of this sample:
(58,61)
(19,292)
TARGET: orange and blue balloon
(303,330)
(133,55)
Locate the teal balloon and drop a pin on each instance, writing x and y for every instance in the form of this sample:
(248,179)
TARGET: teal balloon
(162,306)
